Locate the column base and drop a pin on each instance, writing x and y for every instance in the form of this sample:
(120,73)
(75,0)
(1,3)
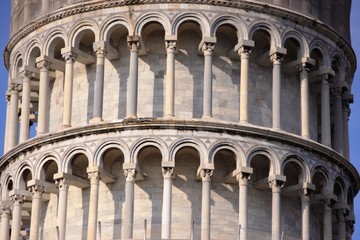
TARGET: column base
(96,120)
(206,117)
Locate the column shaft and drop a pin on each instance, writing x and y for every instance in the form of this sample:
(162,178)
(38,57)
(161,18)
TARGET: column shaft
(244,84)
(346,147)
(338,122)
(341,225)
(62,207)
(37,192)
(305,210)
(208,49)
(16,216)
(243,181)
(5,223)
(167,203)
(25,108)
(13,120)
(133,80)
(325,113)
(127,230)
(100,51)
(68,88)
(43,114)
(276,207)
(205,203)
(304,92)
(6,142)
(327,220)
(276,91)
(170,79)
(93,205)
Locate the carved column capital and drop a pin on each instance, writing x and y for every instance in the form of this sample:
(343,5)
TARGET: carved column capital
(62,183)
(305,193)
(130,174)
(276,185)
(167,172)
(134,44)
(94,177)
(17,198)
(208,48)
(277,58)
(244,51)
(170,45)
(14,87)
(243,178)
(69,57)
(36,190)
(206,174)
(5,209)
(99,49)
(43,65)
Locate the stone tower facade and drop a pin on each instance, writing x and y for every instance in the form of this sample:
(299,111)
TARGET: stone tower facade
(167,119)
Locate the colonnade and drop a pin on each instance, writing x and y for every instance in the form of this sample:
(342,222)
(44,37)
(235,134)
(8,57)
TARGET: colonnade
(63,181)
(45,64)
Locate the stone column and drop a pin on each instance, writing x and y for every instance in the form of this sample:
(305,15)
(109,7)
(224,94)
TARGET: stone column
(243,179)
(341,224)
(131,107)
(6,143)
(45,6)
(128,220)
(305,211)
(37,192)
(244,53)
(338,122)
(100,51)
(327,219)
(168,173)
(276,58)
(304,95)
(5,222)
(68,87)
(26,11)
(170,78)
(13,119)
(25,106)
(208,49)
(325,112)
(346,113)
(17,201)
(93,204)
(63,185)
(43,114)
(276,186)
(205,203)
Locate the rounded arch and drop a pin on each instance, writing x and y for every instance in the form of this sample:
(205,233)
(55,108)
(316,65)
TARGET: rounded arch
(237,23)
(19,62)
(226,145)
(144,142)
(273,158)
(339,189)
(111,23)
(51,38)
(78,29)
(44,159)
(297,36)
(188,142)
(320,46)
(7,187)
(71,153)
(33,50)
(295,159)
(320,178)
(191,16)
(108,144)
(20,180)
(152,17)
(275,40)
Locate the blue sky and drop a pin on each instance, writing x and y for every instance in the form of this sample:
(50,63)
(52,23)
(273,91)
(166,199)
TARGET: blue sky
(354,125)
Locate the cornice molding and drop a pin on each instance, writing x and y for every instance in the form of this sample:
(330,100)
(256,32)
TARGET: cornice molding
(293,16)
(189,125)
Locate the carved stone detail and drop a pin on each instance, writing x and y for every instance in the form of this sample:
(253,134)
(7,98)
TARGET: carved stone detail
(206,174)
(130,174)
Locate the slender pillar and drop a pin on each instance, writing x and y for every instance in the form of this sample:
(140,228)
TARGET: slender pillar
(43,114)
(305,211)
(170,78)
(68,87)
(131,109)
(17,201)
(6,143)
(346,113)
(276,90)
(327,219)
(208,49)
(45,5)
(100,50)
(25,106)
(243,179)
(276,186)
(304,92)
(128,221)
(168,173)
(93,205)
(63,185)
(325,112)
(349,228)
(37,192)
(244,53)
(13,119)
(26,11)
(205,203)
(5,222)
(338,122)
(341,224)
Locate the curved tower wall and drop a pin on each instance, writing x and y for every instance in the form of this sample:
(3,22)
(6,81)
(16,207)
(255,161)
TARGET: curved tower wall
(204,119)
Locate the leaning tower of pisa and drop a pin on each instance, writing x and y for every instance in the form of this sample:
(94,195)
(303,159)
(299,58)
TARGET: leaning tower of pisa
(171,119)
